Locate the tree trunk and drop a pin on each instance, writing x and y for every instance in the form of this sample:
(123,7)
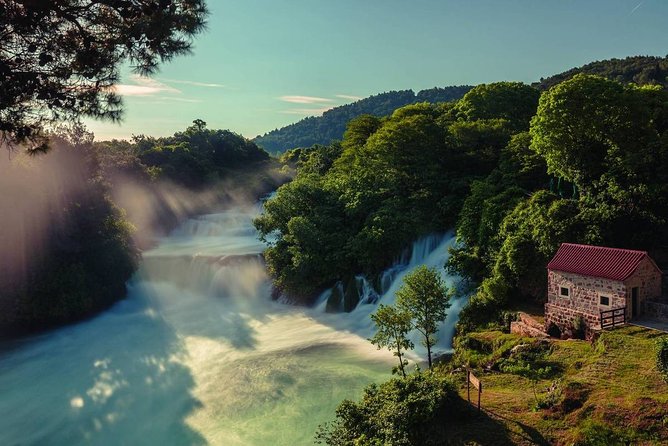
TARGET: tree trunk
(401,361)
(428,352)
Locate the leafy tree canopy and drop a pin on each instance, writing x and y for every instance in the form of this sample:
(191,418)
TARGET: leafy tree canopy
(392,327)
(400,412)
(392,180)
(59,60)
(513,101)
(425,298)
(588,126)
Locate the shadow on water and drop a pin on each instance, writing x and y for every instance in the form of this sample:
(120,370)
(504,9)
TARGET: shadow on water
(116,379)
(220,318)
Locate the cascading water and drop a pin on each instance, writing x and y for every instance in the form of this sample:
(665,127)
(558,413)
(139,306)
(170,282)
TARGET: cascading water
(431,251)
(199,353)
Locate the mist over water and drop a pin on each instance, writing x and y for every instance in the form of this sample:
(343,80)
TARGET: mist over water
(199,353)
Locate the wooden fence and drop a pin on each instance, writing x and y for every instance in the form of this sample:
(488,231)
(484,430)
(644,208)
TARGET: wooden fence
(613,318)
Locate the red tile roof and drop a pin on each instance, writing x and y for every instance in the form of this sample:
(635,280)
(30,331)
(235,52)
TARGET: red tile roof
(597,261)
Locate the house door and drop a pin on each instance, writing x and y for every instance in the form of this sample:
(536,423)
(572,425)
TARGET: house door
(634,302)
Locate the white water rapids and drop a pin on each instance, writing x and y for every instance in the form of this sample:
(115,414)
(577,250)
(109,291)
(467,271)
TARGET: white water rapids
(199,353)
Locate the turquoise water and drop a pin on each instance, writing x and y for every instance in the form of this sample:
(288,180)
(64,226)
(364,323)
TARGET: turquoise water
(197,354)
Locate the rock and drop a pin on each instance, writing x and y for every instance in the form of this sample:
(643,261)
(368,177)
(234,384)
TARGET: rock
(518,348)
(351,296)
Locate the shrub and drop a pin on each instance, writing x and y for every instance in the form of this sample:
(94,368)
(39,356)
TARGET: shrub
(662,357)
(506,318)
(579,328)
(398,412)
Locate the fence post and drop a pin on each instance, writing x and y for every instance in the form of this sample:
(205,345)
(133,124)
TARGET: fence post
(468,385)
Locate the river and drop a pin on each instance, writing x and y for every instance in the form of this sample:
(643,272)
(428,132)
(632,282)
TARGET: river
(198,353)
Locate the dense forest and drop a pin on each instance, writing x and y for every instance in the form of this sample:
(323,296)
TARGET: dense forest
(68,249)
(331,125)
(87,208)
(515,171)
(354,206)
(641,70)
(195,157)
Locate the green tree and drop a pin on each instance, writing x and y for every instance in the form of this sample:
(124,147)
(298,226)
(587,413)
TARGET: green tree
(589,126)
(514,102)
(399,412)
(426,298)
(59,60)
(392,326)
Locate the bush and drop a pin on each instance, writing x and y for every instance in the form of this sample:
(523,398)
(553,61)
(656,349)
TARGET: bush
(579,328)
(398,412)
(506,318)
(662,357)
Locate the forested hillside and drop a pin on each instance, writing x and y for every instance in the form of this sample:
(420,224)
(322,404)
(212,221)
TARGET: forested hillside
(354,206)
(641,70)
(86,208)
(331,125)
(515,176)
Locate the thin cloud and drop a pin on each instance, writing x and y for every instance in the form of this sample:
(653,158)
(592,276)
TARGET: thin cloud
(143,86)
(349,96)
(304,99)
(306,111)
(169,98)
(196,84)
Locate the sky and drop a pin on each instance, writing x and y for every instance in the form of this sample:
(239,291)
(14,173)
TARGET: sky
(263,64)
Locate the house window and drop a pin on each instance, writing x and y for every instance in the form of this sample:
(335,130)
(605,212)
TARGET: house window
(564,292)
(604,300)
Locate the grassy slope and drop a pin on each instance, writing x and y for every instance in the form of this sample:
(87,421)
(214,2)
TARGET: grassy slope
(613,381)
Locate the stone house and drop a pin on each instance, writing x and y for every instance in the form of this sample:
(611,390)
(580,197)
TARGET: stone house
(585,280)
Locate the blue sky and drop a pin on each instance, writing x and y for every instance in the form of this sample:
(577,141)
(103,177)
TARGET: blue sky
(263,64)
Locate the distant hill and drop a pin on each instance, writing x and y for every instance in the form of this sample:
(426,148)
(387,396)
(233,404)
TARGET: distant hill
(638,69)
(331,125)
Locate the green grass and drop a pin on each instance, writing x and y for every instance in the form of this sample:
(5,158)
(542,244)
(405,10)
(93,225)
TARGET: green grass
(606,389)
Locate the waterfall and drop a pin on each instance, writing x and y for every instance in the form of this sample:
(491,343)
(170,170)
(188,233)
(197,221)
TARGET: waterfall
(200,353)
(432,251)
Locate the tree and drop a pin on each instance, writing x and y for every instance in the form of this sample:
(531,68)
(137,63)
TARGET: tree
(60,60)
(514,102)
(589,126)
(425,297)
(392,326)
(399,412)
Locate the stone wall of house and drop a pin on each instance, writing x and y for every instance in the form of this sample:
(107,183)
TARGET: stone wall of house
(565,318)
(585,292)
(648,280)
